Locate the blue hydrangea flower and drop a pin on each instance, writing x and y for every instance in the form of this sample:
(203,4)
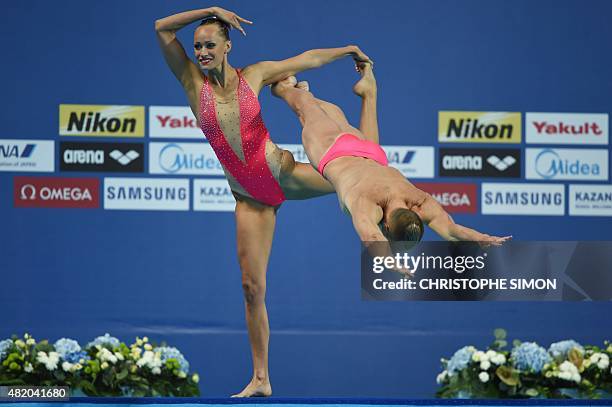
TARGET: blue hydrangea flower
(460,360)
(4,347)
(70,350)
(167,352)
(559,350)
(529,356)
(104,340)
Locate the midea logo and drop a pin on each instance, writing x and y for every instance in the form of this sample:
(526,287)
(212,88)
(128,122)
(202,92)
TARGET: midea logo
(549,164)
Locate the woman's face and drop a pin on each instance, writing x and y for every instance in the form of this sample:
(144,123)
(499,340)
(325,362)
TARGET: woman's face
(209,46)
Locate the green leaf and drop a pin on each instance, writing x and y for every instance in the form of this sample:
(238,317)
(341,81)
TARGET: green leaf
(499,333)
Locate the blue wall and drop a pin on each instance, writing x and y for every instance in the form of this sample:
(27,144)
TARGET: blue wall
(174,276)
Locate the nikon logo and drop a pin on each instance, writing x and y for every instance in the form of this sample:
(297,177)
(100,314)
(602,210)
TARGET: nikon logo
(98,120)
(479,127)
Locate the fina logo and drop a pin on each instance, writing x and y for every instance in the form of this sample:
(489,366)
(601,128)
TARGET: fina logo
(549,164)
(396,158)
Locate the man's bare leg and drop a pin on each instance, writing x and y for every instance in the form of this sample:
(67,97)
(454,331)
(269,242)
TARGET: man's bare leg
(319,129)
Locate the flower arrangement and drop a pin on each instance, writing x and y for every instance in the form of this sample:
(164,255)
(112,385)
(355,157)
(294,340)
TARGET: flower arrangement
(105,367)
(565,370)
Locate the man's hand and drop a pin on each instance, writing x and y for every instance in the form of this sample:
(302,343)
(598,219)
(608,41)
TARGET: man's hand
(489,241)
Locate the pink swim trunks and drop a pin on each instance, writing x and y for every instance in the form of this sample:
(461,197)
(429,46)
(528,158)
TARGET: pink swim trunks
(350,145)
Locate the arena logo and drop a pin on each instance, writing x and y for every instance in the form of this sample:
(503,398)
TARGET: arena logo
(590,200)
(27,155)
(411,161)
(183,158)
(146,194)
(522,199)
(213,195)
(567,164)
(104,157)
(101,120)
(56,192)
(173,122)
(567,128)
(479,127)
(499,163)
(455,198)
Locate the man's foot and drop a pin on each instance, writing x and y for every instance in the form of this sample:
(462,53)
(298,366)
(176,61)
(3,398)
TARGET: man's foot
(256,388)
(367,84)
(280,87)
(303,85)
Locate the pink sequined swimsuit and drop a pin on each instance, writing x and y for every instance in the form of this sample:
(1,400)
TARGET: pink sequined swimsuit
(253,174)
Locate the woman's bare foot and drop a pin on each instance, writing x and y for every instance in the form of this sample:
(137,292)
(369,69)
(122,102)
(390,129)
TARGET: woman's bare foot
(256,388)
(279,88)
(367,83)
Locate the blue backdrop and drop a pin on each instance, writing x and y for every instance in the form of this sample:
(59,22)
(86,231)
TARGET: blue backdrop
(174,276)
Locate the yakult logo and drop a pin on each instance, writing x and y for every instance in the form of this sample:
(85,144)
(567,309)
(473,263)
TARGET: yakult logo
(173,122)
(566,128)
(56,192)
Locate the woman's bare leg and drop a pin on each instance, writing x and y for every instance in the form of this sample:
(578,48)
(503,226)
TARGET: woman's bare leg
(254,233)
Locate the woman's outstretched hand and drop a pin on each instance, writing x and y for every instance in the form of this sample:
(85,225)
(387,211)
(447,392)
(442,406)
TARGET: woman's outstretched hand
(231,18)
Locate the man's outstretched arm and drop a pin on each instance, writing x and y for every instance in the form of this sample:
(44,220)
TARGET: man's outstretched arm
(432,214)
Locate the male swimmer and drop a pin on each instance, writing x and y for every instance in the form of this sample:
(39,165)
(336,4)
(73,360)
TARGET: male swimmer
(352,160)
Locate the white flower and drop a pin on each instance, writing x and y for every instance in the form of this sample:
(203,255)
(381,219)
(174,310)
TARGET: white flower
(19,343)
(156,370)
(50,361)
(196,377)
(30,342)
(478,356)
(600,359)
(485,364)
(568,371)
(78,366)
(182,374)
(67,366)
(484,377)
(106,355)
(499,359)
(119,356)
(491,354)
(145,339)
(440,379)
(28,368)
(148,346)
(150,359)
(104,365)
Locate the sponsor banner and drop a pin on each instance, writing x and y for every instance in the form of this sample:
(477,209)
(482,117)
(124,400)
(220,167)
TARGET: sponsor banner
(101,120)
(27,155)
(173,122)
(299,154)
(213,195)
(105,157)
(566,164)
(55,192)
(463,162)
(157,194)
(566,128)
(522,199)
(183,159)
(590,200)
(411,161)
(479,127)
(455,198)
